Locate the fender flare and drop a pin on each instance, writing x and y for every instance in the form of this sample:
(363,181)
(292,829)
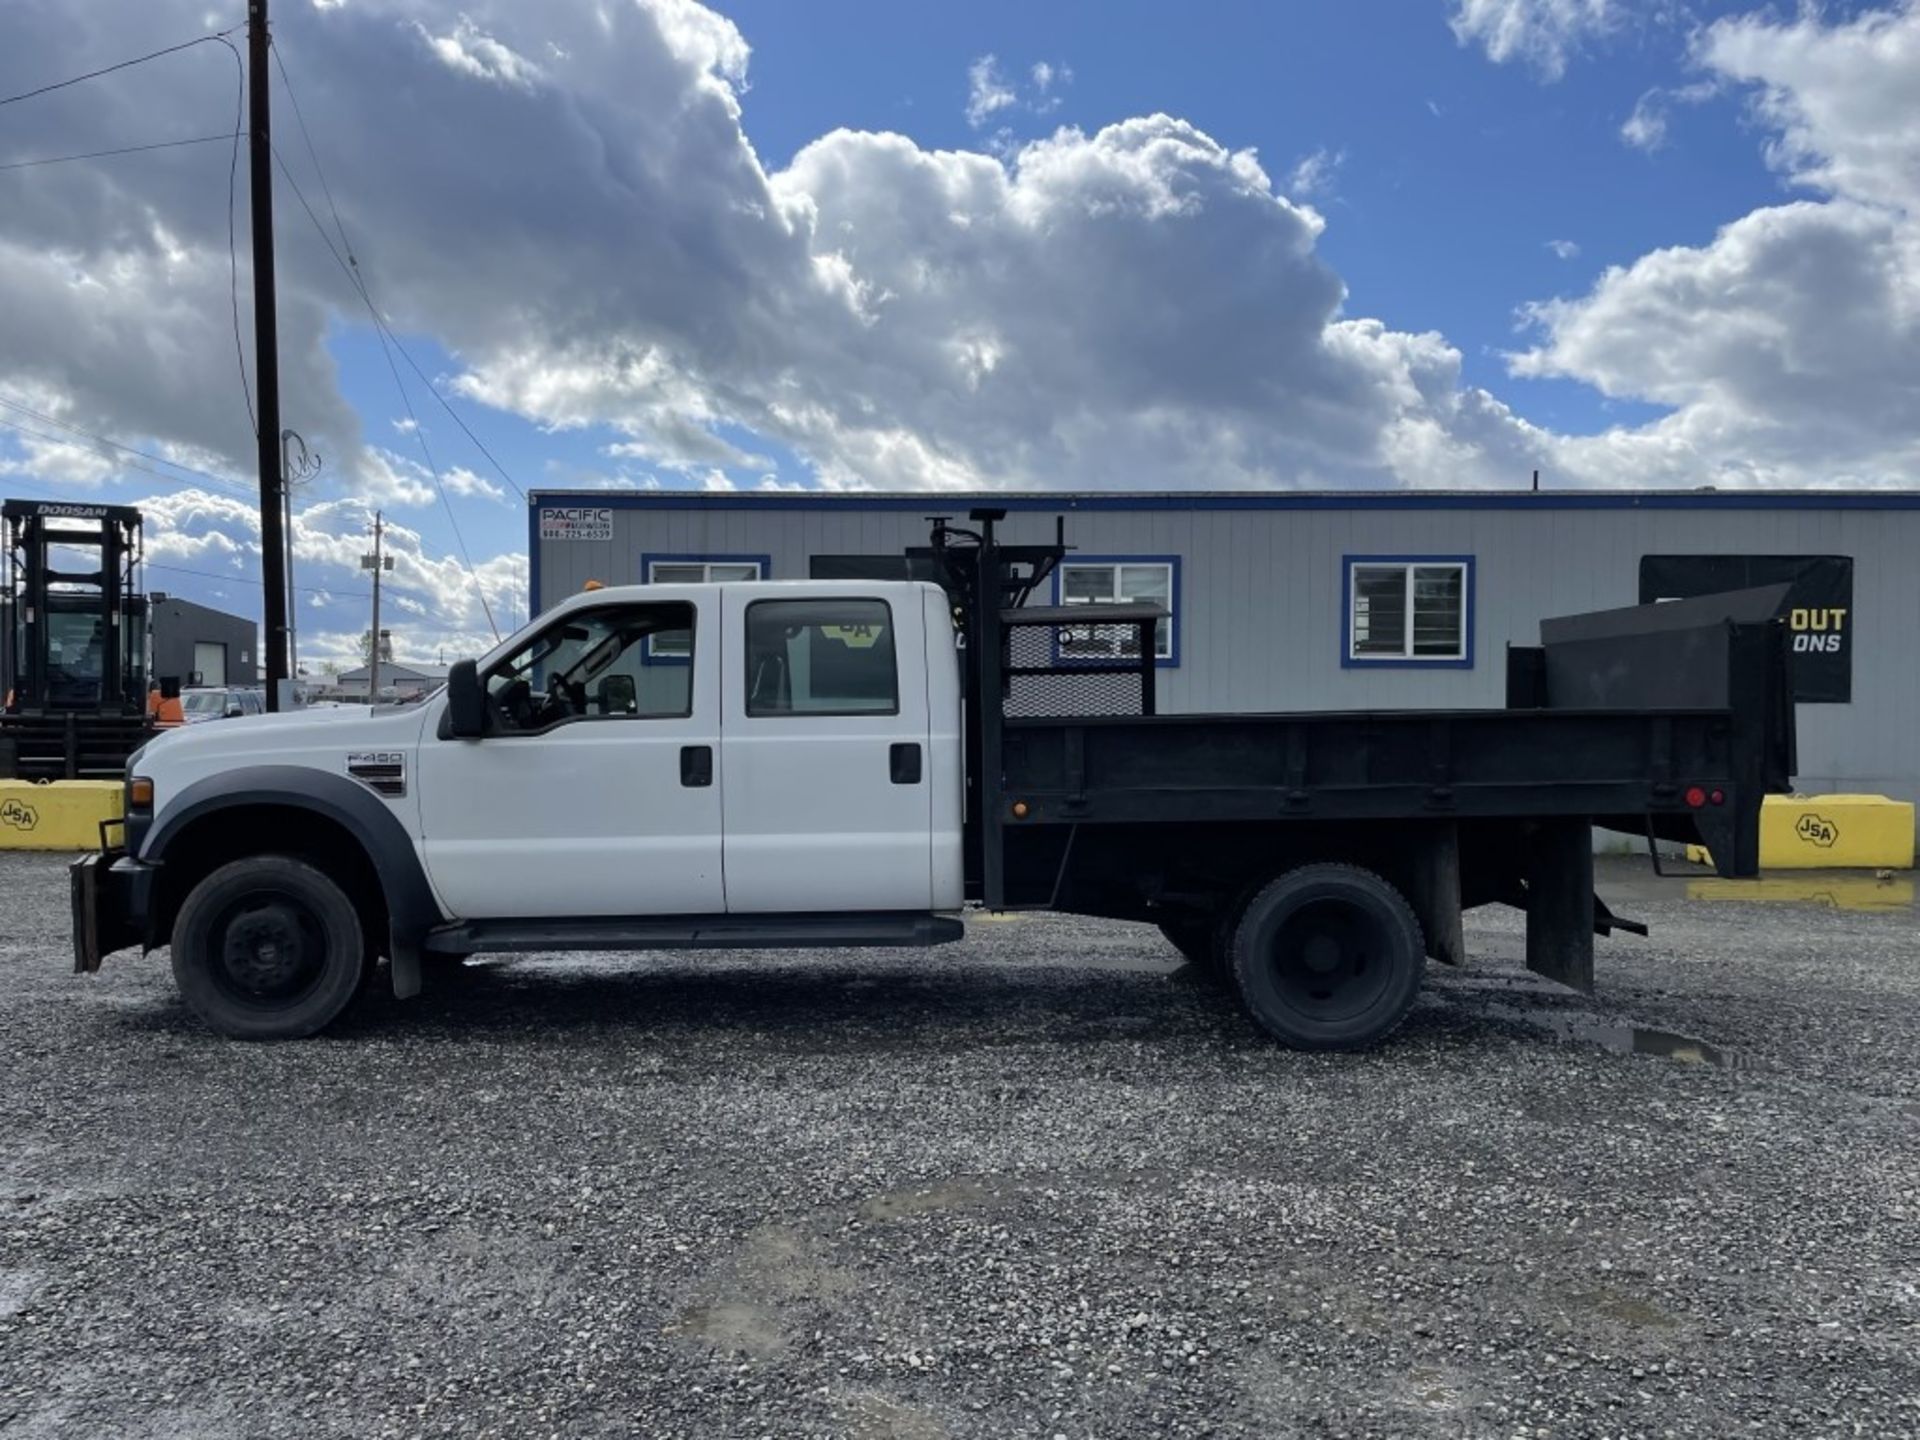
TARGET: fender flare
(411,909)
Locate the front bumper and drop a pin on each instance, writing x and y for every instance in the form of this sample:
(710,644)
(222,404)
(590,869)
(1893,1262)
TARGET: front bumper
(111,895)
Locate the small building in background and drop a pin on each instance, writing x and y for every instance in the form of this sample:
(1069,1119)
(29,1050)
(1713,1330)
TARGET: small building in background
(198,645)
(399,680)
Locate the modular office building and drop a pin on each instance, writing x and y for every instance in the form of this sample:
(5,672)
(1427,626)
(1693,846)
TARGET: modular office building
(1354,600)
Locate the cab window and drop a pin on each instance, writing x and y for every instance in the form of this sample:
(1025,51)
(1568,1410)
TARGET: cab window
(821,657)
(590,665)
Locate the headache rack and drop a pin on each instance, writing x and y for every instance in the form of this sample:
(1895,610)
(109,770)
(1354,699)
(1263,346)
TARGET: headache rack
(1068,661)
(1029,663)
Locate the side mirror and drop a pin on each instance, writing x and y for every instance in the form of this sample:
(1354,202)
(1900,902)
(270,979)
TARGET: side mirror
(466,701)
(234,712)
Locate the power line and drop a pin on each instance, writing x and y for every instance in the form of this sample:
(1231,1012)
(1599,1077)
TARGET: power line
(99,439)
(387,340)
(300,118)
(121,150)
(122,65)
(13,424)
(251,580)
(350,265)
(233,255)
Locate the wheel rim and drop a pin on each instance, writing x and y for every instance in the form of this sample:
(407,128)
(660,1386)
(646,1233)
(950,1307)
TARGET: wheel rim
(1332,960)
(269,949)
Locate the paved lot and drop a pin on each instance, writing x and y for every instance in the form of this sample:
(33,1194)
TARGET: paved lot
(1042,1184)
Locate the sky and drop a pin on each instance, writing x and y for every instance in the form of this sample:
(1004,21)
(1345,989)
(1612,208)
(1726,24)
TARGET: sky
(648,243)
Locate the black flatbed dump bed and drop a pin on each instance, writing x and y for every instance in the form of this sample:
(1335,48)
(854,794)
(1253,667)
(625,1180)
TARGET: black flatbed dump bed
(1668,722)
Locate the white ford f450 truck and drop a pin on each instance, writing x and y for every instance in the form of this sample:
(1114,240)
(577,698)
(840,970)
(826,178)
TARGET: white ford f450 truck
(838,763)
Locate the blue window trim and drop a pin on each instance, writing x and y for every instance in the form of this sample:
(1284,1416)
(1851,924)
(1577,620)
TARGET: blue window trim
(1172,659)
(1348,661)
(652,557)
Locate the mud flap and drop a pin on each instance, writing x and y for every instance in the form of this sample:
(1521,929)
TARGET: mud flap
(1560,902)
(1434,892)
(406,970)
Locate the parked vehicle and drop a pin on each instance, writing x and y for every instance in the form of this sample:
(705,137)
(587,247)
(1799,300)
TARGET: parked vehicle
(221,702)
(835,763)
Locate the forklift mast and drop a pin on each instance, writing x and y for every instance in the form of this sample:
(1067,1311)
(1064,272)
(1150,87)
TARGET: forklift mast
(75,680)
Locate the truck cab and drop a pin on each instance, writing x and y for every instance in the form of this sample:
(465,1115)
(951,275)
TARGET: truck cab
(743,749)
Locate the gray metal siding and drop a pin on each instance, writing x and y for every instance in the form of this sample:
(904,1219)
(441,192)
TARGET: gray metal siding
(177,624)
(1262,594)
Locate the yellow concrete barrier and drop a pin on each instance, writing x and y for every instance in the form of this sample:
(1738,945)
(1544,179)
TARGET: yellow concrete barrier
(1832,832)
(60,815)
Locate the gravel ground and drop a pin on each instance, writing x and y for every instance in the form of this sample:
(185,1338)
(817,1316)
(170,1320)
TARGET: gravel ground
(1048,1183)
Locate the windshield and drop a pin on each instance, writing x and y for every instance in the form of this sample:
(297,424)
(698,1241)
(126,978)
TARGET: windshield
(75,657)
(204,702)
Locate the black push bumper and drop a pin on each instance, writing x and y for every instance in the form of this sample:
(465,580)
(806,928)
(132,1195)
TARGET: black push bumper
(110,894)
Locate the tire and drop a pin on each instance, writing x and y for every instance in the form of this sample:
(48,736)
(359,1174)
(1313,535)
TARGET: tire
(1328,957)
(268,949)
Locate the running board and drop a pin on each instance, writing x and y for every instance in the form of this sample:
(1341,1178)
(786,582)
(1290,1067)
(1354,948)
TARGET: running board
(698,932)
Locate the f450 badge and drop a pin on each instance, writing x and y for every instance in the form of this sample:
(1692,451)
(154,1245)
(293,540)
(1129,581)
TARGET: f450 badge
(382,771)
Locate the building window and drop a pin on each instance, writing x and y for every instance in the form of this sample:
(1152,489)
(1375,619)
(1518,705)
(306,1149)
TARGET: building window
(1105,579)
(1409,610)
(695,570)
(821,657)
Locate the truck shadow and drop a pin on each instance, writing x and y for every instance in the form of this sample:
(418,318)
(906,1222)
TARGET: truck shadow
(883,1005)
(880,1005)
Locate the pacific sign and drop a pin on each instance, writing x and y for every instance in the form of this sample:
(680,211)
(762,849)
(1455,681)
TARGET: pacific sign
(576,522)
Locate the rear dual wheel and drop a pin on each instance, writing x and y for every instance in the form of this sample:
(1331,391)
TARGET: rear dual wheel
(1327,957)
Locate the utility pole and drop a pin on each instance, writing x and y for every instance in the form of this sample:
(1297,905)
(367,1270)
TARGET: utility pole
(377,563)
(266,355)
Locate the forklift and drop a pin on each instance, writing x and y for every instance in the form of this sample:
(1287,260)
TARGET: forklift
(75,672)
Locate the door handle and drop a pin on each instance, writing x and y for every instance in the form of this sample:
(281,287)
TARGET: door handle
(903,763)
(696,765)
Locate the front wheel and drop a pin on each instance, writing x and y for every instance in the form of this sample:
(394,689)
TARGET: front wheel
(1328,957)
(268,949)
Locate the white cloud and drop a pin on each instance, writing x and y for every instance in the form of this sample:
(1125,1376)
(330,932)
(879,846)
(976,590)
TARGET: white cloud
(1314,174)
(471,51)
(1541,33)
(465,483)
(1564,249)
(1646,127)
(990,92)
(1841,97)
(987,91)
(1789,346)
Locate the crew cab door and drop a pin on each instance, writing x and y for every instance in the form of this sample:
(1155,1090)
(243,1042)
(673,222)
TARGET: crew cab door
(824,749)
(596,791)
